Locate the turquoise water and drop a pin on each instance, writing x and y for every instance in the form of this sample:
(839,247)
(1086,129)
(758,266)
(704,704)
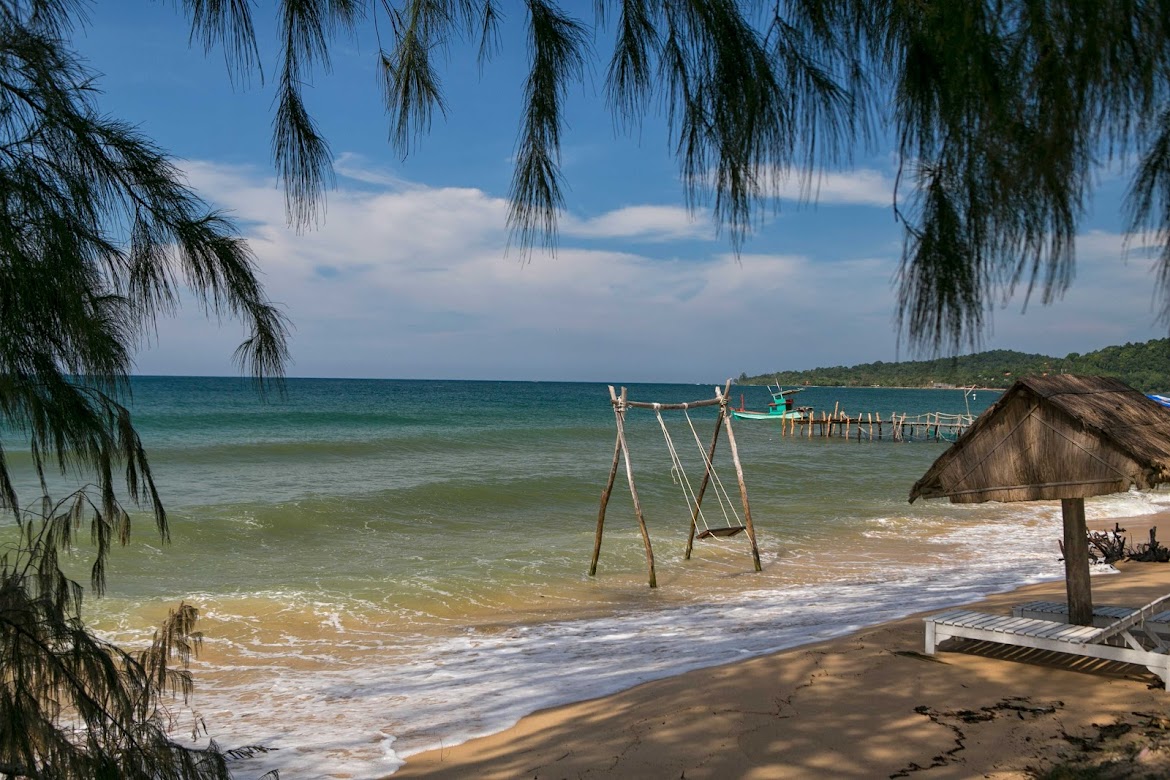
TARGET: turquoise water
(378,563)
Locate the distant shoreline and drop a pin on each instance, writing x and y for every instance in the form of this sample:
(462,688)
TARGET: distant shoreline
(1141,366)
(880,387)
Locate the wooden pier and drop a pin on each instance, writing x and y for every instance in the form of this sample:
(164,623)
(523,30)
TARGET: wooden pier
(932,426)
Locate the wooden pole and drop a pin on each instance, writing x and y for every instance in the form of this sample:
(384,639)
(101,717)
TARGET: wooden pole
(617,449)
(619,411)
(1076,561)
(747,510)
(708,464)
(672,407)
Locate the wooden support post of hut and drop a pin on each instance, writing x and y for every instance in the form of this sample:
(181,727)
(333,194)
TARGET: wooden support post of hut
(1058,437)
(621,404)
(1076,561)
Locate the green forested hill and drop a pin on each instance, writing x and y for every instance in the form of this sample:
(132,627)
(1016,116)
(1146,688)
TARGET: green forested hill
(1144,366)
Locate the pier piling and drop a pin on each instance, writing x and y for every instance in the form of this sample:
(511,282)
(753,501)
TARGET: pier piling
(868,426)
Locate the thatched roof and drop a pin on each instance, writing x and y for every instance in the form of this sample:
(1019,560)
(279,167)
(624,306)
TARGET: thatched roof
(1056,437)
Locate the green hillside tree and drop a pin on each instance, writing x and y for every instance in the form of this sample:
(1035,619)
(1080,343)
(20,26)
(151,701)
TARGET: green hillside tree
(98,236)
(1144,366)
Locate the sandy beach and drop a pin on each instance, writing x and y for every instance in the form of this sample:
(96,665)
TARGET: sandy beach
(868,705)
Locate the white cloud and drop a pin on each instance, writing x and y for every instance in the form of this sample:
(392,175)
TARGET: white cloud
(864,187)
(416,282)
(358,168)
(651,223)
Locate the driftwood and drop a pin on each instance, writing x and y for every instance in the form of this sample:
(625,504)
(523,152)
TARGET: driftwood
(1109,545)
(1112,546)
(1154,551)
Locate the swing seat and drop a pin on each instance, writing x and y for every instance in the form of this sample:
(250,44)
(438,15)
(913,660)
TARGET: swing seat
(730,530)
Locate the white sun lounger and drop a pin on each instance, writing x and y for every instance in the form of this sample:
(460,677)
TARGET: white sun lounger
(1132,638)
(1103,614)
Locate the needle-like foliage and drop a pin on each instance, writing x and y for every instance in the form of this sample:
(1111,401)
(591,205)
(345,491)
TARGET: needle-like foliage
(1001,113)
(71,704)
(98,237)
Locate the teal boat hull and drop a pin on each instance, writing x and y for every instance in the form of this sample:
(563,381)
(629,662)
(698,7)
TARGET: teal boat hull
(746,415)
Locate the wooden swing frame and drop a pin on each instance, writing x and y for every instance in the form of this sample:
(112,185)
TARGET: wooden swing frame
(621,404)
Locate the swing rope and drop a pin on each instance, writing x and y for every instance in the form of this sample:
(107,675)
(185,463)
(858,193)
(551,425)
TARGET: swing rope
(725,502)
(678,474)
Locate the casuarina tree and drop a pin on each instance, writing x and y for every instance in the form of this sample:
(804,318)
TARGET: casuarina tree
(98,237)
(1001,114)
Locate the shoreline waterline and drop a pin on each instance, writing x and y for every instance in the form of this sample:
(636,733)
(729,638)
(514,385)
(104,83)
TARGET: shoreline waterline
(603,735)
(394,695)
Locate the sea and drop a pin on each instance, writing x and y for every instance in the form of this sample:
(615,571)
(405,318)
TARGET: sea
(382,567)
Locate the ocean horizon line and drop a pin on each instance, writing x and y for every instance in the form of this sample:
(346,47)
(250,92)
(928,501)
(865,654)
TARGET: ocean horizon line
(616,383)
(245,378)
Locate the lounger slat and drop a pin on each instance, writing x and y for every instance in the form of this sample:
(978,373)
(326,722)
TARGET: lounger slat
(1048,628)
(978,620)
(1001,623)
(962,618)
(1020,625)
(1072,632)
(1058,610)
(1138,616)
(943,616)
(1043,607)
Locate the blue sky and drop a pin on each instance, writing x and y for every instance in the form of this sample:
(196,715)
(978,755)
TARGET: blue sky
(408,275)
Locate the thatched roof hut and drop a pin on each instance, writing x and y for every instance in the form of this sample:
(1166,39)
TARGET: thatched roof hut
(1056,437)
(1066,437)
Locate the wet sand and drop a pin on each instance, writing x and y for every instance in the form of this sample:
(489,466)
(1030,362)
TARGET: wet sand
(868,705)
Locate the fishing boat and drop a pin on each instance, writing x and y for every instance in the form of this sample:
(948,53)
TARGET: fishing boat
(781,407)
